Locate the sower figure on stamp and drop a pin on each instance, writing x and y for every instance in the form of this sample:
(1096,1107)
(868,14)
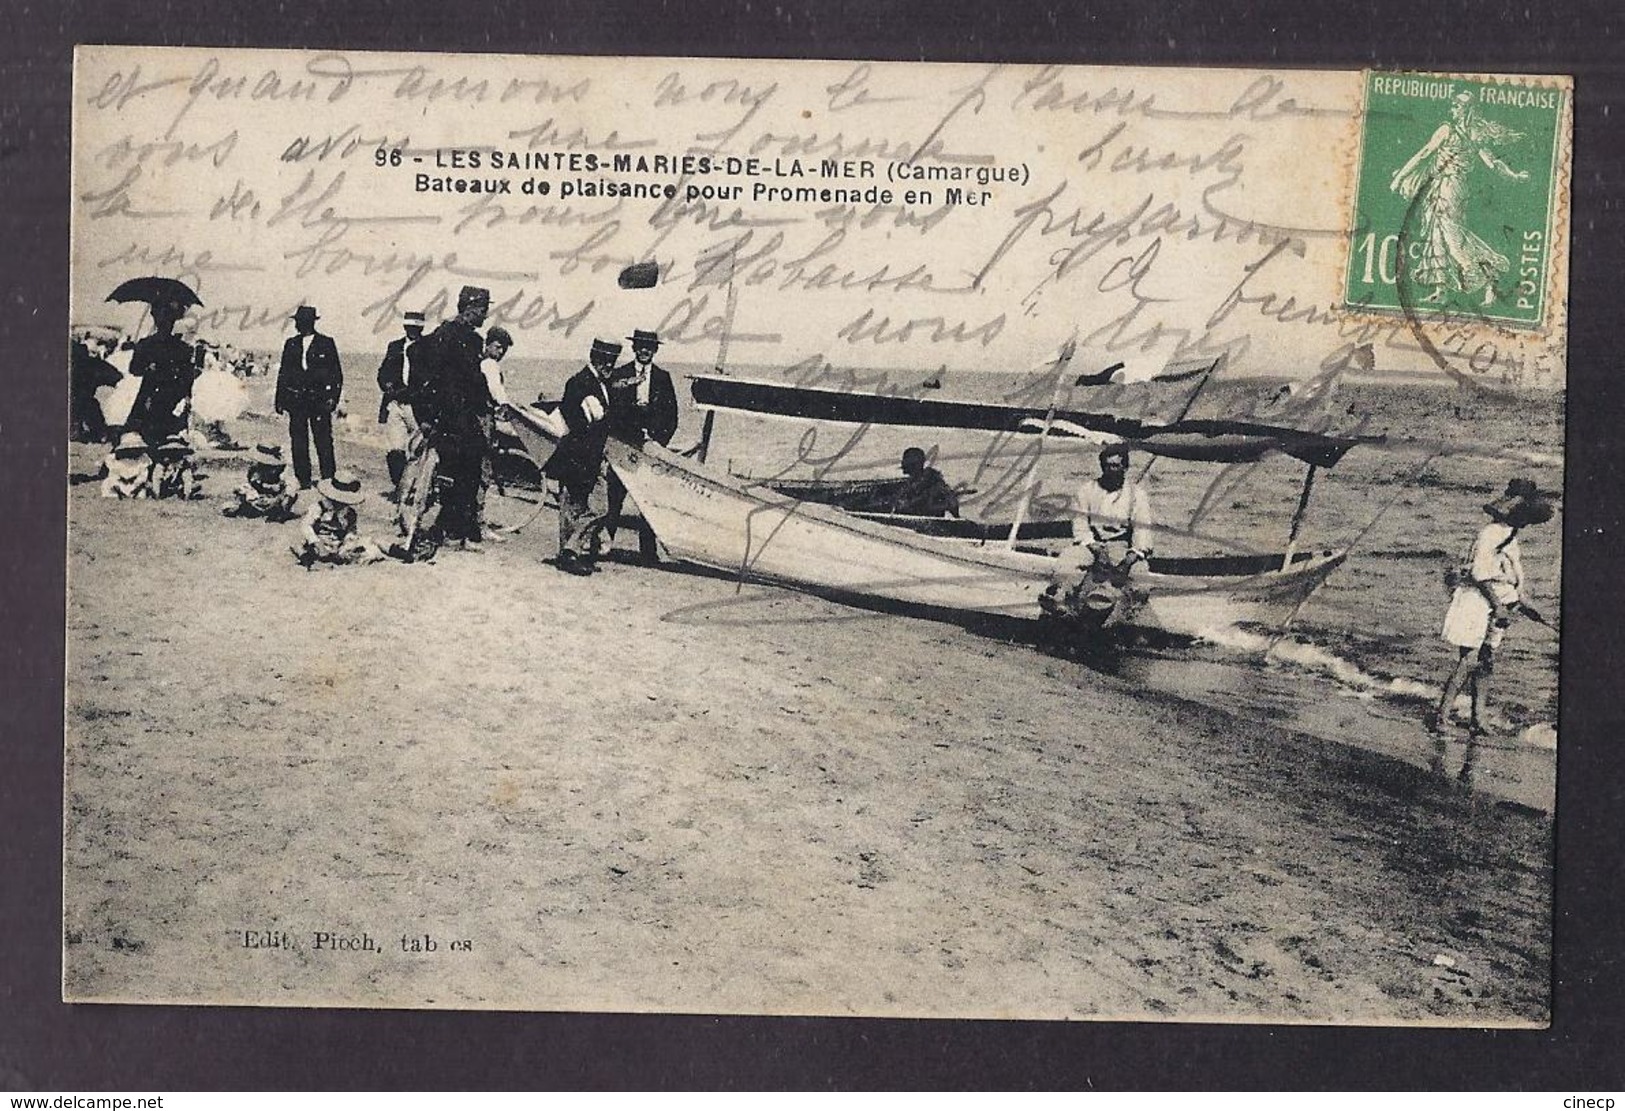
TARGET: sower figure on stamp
(643,404)
(578,464)
(308,386)
(394,386)
(1453,258)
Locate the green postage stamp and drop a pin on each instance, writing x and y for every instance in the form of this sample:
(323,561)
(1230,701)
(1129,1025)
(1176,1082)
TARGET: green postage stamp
(1455,196)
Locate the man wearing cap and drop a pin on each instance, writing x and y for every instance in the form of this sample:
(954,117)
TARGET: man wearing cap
(643,404)
(578,464)
(1112,515)
(450,399)
(308,386)
(394,410)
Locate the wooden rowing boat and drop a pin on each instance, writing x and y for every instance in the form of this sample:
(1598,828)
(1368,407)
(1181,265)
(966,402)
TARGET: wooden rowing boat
(719,521)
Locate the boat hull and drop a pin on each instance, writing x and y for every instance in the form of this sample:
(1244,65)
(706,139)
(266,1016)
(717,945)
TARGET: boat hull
(1200,605)
(719,522)
(736,526)
(758,534)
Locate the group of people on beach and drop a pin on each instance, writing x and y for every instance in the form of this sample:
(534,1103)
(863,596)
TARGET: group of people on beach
(152,455)
(443,400)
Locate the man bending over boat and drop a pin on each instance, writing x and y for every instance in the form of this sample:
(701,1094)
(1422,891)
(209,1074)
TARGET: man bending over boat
(923,491)
(1112,525)
(578,463)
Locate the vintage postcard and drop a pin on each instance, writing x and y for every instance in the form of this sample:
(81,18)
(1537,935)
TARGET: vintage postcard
(829,538)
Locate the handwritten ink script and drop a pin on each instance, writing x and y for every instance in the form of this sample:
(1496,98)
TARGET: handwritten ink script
(878,215)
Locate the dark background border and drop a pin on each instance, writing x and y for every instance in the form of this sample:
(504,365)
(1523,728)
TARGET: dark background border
(45,1045)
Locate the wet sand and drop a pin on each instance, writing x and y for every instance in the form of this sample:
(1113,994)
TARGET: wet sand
(655,790)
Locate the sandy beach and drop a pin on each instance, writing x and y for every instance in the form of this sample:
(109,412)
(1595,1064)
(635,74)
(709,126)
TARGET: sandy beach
(659,790)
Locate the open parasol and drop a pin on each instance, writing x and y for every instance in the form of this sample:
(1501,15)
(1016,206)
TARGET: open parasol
(154,290)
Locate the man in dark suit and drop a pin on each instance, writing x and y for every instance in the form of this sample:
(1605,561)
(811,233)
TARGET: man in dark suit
(448,395)
(578,463)
(643,405)
(394,412)
(308,386)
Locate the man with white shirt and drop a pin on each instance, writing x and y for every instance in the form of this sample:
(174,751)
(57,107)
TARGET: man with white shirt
(1112,518)
(643,404)
(308,386)
(498,342)
(1112,530)
(394,388)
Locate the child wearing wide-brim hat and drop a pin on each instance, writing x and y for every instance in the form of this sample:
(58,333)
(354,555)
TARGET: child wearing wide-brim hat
(128,469)
(1487,593)
(329,530)
(174,474)
(264,494)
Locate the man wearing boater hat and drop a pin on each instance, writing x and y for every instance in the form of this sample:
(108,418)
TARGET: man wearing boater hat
(449,397)
(643,403)
(308,386)
(394,387)
(578,464)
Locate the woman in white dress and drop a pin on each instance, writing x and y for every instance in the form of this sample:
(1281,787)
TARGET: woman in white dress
(1488,593)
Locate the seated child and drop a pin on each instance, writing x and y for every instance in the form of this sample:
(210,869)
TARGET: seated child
(174,475)
(128,470)
(329,528)
(265,494)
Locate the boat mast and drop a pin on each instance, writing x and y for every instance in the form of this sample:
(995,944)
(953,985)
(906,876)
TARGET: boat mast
(704,446)
(1190,403)
(1297,517)
(1061,363)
